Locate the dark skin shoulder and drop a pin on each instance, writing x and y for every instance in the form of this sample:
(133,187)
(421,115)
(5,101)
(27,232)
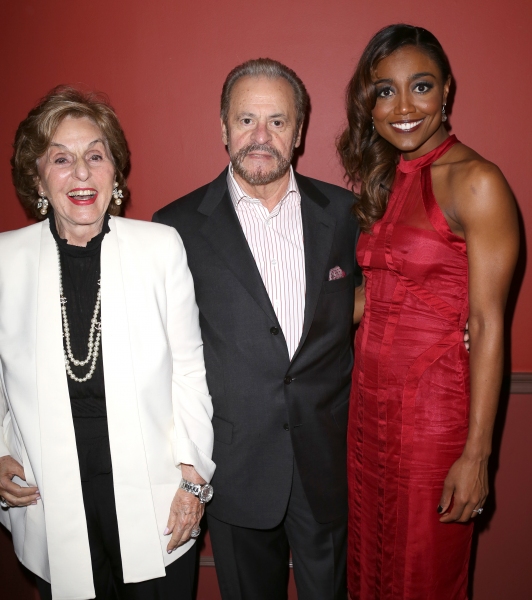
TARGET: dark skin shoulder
(462,180)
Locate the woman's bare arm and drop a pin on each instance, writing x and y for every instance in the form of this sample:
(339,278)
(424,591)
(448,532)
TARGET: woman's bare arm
(360,301)
(485,209)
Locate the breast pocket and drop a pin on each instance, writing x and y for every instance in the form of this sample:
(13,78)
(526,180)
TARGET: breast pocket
(336,285)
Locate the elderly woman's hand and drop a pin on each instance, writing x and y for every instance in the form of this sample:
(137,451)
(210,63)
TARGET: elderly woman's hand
(185,511)
(185,515)
(12,493)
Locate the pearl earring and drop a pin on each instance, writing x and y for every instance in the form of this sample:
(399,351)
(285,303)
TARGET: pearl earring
(117,194)
(443,115)
(43,204)
(372,124)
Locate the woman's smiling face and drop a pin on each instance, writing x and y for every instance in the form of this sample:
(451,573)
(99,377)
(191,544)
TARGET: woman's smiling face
(410,95)
(76,174)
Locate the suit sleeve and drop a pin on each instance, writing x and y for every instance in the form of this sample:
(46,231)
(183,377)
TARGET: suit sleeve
(192,406)
(4,451)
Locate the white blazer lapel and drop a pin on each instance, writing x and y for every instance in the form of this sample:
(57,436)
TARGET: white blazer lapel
(66,526)
(134,504)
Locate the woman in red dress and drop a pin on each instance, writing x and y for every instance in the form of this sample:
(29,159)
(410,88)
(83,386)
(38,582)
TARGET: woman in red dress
(438,248)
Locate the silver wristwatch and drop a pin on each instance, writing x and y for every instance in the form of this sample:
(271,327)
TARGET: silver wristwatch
(203,492)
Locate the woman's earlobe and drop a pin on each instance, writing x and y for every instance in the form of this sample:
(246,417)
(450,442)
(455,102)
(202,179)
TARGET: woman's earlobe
(447,89)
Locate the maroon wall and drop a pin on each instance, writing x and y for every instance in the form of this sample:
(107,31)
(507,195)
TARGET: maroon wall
(163,64)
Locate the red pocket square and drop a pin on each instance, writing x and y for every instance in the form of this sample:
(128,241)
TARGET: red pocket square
(336,273)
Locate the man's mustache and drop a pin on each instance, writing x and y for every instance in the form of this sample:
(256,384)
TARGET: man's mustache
(250,148)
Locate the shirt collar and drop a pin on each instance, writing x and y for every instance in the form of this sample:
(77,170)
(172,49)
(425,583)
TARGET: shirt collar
(237,193)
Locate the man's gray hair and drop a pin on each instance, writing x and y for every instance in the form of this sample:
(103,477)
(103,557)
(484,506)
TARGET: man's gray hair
(272,69)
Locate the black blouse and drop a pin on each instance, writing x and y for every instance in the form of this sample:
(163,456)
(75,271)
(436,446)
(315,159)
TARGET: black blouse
(80,269)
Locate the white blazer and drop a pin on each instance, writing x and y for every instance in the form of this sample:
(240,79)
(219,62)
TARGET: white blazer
(158,405)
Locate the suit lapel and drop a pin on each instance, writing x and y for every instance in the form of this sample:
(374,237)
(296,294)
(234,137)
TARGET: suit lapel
(223,232)
(61,491)
(318,235)
(137,524)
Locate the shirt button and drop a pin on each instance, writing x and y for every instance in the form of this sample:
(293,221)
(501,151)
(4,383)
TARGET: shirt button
(287,380)
(274,330)
(274,261)
(286,427)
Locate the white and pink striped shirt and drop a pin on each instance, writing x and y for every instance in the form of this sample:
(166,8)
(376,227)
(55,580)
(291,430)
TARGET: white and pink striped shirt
(276,242)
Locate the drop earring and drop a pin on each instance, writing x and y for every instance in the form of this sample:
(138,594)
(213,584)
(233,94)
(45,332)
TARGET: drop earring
(372,124)
(443,115)
(43,204)
(117,194)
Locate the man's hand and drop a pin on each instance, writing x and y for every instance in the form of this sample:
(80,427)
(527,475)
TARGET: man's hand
(12,493)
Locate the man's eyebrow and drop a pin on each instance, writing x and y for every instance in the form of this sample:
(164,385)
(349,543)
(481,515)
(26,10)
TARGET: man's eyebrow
(253,115)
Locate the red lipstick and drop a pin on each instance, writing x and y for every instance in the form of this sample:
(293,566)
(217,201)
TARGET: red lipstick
(82,199)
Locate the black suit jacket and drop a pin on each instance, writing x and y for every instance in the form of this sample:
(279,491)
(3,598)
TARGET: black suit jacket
(269,410)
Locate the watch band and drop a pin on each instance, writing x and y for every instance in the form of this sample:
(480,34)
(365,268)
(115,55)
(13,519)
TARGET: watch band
(203,492)
(188,486)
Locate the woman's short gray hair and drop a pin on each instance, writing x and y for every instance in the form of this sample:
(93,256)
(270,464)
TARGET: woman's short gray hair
(272,69)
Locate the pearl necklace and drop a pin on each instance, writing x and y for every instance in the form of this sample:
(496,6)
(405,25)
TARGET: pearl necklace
(93,345)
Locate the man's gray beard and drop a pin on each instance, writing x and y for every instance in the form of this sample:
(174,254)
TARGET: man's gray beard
(259,177)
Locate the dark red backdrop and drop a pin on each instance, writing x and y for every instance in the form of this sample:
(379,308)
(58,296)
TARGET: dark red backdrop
(163,63)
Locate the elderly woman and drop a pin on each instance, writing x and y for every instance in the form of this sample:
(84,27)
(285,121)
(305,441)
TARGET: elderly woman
(439,246)
(105,437)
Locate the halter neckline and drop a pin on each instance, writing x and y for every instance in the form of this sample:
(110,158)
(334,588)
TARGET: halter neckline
(409,166)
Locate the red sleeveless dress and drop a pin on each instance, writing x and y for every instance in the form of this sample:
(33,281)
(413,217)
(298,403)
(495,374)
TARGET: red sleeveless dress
(409,408)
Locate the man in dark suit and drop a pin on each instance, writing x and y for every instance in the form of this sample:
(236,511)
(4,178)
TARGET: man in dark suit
(272,257)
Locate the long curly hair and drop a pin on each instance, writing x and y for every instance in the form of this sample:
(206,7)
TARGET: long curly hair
(368,159)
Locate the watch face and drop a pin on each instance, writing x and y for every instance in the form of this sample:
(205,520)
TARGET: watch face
(206,493)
